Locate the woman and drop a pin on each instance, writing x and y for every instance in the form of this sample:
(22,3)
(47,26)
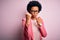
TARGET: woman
(33,25)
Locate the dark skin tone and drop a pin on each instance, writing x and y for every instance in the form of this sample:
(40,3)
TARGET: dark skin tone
(33,15)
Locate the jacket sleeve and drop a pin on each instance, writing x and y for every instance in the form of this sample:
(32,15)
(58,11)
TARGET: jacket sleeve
(27,31)
(42,30)
(24,23)
(26,37)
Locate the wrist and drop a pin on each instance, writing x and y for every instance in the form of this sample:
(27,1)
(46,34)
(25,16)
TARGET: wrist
(40,24)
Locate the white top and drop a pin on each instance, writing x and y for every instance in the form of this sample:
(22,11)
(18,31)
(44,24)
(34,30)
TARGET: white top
(36,32)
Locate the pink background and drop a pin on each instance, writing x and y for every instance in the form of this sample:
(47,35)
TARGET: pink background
(12,12)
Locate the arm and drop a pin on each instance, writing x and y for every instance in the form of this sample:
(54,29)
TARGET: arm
(25,29)
(41,28)
(24,23)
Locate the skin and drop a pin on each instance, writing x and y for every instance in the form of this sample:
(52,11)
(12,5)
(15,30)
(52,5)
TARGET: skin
(33,15)
(34,12)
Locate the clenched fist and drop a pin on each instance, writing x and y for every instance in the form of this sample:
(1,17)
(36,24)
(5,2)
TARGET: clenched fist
(28,17)
(39,21)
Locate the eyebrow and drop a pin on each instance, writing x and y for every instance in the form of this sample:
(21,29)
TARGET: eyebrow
(34,10)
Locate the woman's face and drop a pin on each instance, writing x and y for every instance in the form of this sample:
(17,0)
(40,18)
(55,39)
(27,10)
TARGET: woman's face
(34,11)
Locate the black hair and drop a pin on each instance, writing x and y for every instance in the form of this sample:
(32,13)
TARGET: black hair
(33,3)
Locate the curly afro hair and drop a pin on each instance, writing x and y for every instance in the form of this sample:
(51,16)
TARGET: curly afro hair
(33,3)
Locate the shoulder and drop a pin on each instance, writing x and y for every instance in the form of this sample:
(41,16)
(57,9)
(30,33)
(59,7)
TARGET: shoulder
(23,19)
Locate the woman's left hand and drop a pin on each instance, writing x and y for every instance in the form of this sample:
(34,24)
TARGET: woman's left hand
(39,21)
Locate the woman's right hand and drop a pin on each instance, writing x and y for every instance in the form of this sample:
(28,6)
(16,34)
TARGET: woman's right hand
(28,17)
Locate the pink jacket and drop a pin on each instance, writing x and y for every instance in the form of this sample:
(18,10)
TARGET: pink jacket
(42,30)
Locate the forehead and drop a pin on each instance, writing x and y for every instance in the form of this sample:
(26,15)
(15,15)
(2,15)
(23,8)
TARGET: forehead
(34,8)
